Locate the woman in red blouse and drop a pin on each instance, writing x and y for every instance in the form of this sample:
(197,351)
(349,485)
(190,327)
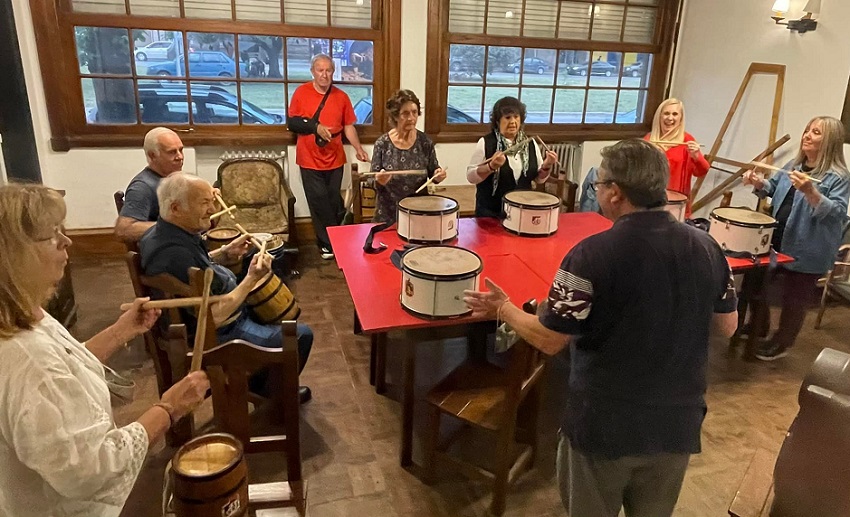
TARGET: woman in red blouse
(683,154)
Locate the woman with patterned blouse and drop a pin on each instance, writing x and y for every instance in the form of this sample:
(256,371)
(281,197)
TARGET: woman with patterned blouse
(403,148)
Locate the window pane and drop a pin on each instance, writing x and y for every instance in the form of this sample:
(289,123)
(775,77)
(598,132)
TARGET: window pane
(573,67)
(492,94)
(109,101)
(607,22)
(640,25)
(101,50)
(538,66)
(503,17)
(99,6)
(575,20)
(290,89)
(163,102)
(299,52)
(355,59)
(466,16)
(211,55)
(466,63)
(305,12)
(260,56)
(215,104)
(503,64)
(637,71)
(466,99)
(630,106)
(348,13)
(155,8)
(600,106)
(538,103)
(540,16)
(260,10)
(153,47)
(569,105)
(644,2)
(361,99)
(216,9)
(262,103)
(605,69)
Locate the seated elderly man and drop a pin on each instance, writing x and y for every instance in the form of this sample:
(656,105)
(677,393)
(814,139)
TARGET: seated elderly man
(164,151)
(174,244)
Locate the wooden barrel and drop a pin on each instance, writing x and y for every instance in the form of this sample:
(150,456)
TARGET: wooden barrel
(272,302)
(218,237)
(210,478)
(367,201)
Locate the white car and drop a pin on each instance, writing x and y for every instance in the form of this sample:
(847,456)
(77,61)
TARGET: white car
(155,50)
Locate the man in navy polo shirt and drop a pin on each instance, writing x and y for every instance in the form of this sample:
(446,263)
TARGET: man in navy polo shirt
(635,304)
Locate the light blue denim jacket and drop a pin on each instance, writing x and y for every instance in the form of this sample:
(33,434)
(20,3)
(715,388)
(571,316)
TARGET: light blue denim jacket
(812,235)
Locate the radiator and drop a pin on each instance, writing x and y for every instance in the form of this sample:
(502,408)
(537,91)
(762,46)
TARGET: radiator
(279,156)
(569,156)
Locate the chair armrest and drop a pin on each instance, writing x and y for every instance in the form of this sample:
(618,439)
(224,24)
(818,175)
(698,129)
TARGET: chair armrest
(756,488)
(287,203)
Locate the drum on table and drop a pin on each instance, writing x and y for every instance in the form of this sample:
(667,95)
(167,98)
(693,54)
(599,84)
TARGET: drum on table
(209,477)
(271,301)
(428,219)
(531,213)
(742,230)
(220,236)
(433,279)
(677,202)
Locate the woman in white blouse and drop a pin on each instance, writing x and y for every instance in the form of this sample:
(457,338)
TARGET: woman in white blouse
(505,172)
(61,453)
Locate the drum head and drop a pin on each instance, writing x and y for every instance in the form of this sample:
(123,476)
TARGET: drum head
(262,237)
(532,198)
(435,204)
(674,197)
(206,457)
(223,233)
(743,217)
(441,261)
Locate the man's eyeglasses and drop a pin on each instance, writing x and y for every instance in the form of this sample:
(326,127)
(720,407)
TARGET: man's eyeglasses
(594,185)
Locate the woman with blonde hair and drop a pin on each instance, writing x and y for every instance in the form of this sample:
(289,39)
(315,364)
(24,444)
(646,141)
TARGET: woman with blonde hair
(60,450)
(809,202)
(683,152)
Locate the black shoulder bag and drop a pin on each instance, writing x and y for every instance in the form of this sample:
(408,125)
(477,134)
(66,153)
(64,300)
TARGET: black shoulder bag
(308,126)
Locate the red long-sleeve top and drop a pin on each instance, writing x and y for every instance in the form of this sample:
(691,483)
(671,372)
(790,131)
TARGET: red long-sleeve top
(683,168)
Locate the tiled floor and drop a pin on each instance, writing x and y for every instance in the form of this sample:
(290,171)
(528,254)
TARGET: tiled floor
(351,435)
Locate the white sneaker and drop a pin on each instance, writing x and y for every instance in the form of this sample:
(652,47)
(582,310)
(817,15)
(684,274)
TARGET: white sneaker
(326,254)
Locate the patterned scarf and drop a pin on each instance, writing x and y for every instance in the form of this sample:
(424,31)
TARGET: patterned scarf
(501,145)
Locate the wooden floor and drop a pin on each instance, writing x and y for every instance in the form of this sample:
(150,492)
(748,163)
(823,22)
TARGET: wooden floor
(351,435)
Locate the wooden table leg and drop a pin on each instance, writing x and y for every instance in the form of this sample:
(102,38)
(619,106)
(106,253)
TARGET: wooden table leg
(379,345)
(407,405)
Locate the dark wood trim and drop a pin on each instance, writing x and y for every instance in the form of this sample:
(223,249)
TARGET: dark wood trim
(550,43)
(550,132)
(845,114)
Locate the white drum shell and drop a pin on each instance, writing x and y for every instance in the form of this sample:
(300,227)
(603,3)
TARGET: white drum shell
(526,219)
(422,226)
(435,298)
(738,238)
(676,204)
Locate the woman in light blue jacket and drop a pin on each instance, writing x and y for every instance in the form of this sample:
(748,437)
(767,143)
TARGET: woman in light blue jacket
(809,203)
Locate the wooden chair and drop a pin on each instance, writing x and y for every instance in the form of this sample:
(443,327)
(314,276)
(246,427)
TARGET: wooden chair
(118,196)
(560,186)
(810,475)
(837,282)
(363,197)
(488,397)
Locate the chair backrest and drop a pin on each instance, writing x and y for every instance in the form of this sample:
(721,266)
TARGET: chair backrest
(118,196)
(363,197)
(251,181)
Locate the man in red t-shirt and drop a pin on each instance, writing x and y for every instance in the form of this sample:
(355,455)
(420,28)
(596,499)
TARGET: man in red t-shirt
(319,152)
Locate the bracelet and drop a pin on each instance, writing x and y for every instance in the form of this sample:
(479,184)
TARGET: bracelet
(169,410)
(499,311)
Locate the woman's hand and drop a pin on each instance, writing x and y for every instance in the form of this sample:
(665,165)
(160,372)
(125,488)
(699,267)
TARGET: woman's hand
(485,304)
(236,249)
(497,160)
(439,175)
(135,321)
(802,182)
(693,149)
(754,178)
(259,267)
(549,160)
(187,394)
(383,177)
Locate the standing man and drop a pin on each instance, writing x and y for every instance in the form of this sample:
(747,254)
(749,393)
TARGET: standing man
(319,113)
(164,151)
(635,303)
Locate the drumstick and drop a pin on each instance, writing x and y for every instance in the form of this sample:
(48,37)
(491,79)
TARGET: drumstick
(254,241)
(775,168)
(225,211)
(396,173)
(546,148)
(201,329)
(174,303)
(673,144)
(430,180)
(223,204)
(509,150)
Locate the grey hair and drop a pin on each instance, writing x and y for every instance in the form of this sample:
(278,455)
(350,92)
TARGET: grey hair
(174,188)
(639,169)
(151,145)
(322,56)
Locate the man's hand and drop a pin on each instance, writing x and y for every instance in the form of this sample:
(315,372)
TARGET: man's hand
(259,268)
(236,249)
(361,155)
(324,132)
(486,304)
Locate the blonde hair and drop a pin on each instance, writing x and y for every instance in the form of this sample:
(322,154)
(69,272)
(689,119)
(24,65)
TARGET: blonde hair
(28,214)
(676,136)
(831,155)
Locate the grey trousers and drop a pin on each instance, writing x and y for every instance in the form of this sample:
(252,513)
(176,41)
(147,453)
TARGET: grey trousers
(644,486)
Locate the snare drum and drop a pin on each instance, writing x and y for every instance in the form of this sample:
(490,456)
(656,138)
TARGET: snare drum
(219,236)
(742,230)
(676,204)
(210,478)
(433,279)
(427,219)
(531,213)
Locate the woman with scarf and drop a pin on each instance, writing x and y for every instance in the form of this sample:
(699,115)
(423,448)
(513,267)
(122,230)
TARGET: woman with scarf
(504,172)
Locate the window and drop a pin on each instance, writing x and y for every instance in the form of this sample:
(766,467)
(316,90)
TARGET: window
(584,68)
(119,67)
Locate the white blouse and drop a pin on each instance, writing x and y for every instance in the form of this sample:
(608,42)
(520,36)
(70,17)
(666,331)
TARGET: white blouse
(60,451)
(515,163)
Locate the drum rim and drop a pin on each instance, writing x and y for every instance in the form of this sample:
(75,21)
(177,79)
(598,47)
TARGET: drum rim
(682,201)
(742,224)
(426,276)
(232,440)
(526,234)
(236,231)
(430,316)
(415,211)
(555,203)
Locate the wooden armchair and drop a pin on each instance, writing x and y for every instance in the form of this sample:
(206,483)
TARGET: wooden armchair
(810,475)
(118,196)
(560,186)
(485,396)
(837,282)
(363,197)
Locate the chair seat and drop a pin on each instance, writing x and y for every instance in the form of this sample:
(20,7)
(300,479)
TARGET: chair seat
(474,392)
(842,288)
(268,218)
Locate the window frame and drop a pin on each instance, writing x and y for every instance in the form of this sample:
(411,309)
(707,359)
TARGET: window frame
(54,22)
(438,57)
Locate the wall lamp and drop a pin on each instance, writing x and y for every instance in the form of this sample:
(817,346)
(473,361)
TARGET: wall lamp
(804,24)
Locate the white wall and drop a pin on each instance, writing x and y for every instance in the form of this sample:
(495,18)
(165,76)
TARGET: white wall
(719,40)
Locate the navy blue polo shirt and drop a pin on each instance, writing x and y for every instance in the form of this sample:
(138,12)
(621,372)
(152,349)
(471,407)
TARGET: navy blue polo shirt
(640,299)
(140,201)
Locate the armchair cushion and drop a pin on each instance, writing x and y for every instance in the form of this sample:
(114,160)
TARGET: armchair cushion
(250,183)
(268,219)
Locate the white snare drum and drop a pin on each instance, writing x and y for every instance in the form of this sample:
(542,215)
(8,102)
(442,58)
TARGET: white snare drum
(427,219)
(742,230)
(676,204)
(433,279)
(531,213)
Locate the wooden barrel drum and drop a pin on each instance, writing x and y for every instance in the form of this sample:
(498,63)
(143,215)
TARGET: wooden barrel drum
(210,478)
(218,237)
(272,302)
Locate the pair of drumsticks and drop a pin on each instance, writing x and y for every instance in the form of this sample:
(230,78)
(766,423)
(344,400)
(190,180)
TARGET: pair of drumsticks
(514,148)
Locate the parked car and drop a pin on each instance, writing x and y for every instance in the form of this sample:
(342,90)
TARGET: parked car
(531,64)
(596,68)
(363,111)
(633,70)
(155,50)
(167,103)
(203,63)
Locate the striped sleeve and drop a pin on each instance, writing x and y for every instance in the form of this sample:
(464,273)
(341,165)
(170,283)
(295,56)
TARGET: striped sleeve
(570,297)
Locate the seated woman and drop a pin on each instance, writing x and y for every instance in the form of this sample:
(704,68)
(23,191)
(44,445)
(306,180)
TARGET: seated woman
(683,152)
(400,149)
(503,172)
(60,450)
(810,219)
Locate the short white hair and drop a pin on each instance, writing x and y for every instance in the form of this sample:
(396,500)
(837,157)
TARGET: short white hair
(151,144)
(319,57)
(174,188)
